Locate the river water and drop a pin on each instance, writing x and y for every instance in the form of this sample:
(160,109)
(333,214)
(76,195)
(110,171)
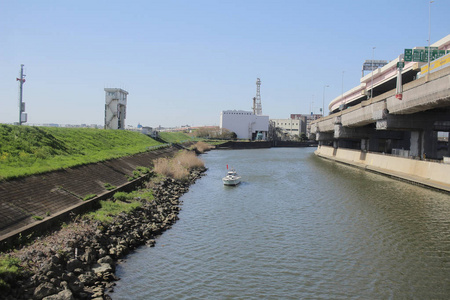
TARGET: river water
(298,227)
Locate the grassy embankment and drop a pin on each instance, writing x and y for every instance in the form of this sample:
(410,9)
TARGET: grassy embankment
(201,144)
(177,167)
(26,150)
(176,137)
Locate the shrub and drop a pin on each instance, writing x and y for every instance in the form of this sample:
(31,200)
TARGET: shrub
(143,170)
(202,147)
(121,196)
(179,172)
(162,166)
(9,269)
(189,160)
(179,166)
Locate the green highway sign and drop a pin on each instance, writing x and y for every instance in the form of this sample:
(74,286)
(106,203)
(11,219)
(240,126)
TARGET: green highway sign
(408,55)
(421,55)
(400,64)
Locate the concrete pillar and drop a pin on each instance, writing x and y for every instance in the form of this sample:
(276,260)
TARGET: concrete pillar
(373,144)
(448,148)
(365,144)
(430,144)
(415,148)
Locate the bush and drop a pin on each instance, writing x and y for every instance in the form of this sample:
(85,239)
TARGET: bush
(189,160)
(162,166)
(121,196)
(179,166)
(202,147)
(9,270)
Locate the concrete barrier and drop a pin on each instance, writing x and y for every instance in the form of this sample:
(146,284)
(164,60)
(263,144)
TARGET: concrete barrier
(427,173)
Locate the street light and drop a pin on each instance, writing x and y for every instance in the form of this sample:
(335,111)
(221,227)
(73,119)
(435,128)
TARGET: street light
(429,36)
(342,97)
(323,100)
(373,55)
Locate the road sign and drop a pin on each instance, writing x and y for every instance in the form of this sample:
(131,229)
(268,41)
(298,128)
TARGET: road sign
(421,55)
(400,64)
(408,54)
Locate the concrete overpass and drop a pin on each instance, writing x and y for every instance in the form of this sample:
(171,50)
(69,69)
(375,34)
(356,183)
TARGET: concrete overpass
(384,123)
(408,136)
(407,127)
(383,80)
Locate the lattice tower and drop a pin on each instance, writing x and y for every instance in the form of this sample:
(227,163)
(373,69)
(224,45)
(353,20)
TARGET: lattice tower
(258,106)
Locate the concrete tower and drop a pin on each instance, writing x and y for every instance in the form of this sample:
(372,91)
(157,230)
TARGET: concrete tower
(115,108)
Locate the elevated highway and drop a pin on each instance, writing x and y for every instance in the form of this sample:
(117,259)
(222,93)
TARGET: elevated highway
(384,122)
(415,127)
(384,79)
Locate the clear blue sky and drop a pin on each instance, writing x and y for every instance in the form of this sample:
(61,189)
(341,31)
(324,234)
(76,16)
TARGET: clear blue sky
(183,62)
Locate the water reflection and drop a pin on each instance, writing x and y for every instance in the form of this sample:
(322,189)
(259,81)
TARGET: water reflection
(297,227)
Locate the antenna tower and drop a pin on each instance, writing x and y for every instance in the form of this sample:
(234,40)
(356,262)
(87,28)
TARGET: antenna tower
(257,106)
(22,114)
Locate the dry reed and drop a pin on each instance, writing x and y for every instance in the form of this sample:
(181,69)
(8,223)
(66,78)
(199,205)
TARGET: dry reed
(202,147)
(162,166)
(179,166)
(189,160)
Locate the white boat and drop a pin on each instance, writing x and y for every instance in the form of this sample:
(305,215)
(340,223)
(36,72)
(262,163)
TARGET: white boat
(232,178)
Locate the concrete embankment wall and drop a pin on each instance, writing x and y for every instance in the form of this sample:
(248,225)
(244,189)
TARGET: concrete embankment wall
(244,145)
(264,144)
(54,195)
(427,173)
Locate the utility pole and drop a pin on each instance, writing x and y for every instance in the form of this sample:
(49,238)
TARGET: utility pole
(429,37)
(323,100)
(21,104)
(342,97)
(373,55)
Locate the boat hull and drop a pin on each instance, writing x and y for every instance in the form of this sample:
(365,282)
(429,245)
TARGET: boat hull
(231,182)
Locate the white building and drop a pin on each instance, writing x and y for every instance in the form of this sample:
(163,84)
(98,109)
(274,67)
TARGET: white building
(115,108)
(245,124)
(291,126)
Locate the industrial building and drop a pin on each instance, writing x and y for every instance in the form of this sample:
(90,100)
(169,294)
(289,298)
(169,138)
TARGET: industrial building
(290,127)
(245,124)
(250,125)
(115,108)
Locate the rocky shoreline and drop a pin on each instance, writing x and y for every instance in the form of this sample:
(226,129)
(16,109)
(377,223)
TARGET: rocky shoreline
(78,261)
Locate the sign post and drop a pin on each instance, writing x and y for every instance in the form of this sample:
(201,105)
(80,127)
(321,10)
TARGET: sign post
(399,89)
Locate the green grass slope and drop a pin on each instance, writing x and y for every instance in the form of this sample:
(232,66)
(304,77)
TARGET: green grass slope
(175,137)
(26,150)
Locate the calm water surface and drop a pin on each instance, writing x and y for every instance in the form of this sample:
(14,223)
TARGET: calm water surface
(298,227)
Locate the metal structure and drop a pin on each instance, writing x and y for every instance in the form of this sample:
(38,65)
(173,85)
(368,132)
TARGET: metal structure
(257,108)
(22,114)
(372,65)
(115,108)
